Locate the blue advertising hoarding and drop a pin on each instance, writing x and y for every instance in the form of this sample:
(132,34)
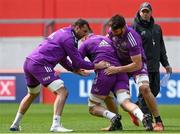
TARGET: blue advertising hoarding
(79,88)
(13,88)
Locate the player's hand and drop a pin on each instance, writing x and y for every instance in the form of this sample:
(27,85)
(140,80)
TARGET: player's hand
(102,65)
(168,69)
(57,72)
(111,70)
(82,72)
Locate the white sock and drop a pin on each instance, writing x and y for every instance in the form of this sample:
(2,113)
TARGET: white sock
(138,113)
(109,115)
(17,119)
(56,120)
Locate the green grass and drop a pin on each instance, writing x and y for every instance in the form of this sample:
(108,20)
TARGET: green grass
(38,119)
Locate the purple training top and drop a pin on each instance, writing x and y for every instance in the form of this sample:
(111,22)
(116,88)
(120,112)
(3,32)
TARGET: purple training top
(130,44)
(55,49)
(98,48)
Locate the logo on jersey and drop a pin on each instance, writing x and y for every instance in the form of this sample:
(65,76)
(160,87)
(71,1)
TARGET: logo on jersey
(48,69)
(131,40)
(143,33)
(115,38)
(103,43)
(46,78)
(122,46)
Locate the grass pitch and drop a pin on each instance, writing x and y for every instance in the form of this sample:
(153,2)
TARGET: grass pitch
(39,117)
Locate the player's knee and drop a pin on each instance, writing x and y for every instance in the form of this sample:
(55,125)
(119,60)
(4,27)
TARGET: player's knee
(66,93)
(33,95)
(62,92)
(122,97)
(93,101)
(34,90)
(91,110)
(56,85)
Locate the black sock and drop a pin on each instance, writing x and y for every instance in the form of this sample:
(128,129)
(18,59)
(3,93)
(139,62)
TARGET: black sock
(158,119)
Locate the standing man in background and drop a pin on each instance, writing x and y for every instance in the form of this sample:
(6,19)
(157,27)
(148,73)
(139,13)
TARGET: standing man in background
(154,48)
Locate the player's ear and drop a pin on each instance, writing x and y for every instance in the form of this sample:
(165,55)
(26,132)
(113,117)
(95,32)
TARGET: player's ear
(76,28)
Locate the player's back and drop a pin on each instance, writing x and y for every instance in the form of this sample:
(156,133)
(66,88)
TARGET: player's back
(98,48)
(51,51)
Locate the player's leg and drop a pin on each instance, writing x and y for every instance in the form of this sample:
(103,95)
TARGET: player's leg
(123,98)
(101,88)
(95,106)
(121,89)
(143,84)
(33,92)
(47,78)
(112,106)
(111,103)
(154,80)
(57,86)
(23,107)
(96,109)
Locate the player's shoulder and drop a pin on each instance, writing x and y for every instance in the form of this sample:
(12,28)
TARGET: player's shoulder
(132,32)
(133,37)
(66,33)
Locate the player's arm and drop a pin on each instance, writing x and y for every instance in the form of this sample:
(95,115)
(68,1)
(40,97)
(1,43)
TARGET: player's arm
(134,66)
(83,50)
(81,72)
(163,56)
(77,60)
(135,47)
(135,54)
(66,64)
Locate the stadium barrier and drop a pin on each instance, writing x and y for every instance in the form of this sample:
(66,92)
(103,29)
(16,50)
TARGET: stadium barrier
(13,89)
(49,23)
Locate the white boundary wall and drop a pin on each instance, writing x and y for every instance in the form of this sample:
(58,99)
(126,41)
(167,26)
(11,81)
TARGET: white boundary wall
(14,50)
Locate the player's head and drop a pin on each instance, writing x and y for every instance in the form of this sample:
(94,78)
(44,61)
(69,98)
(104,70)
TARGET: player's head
(117,24)
(81,28)
(145,11)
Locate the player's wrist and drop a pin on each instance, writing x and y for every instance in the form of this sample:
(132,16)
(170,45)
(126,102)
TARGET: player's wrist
(119,69)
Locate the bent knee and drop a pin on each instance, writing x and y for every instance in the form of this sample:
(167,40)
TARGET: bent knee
(94,110)
(56,85)
(33,95)
(91,110)
(123,97)
(62,92)
(34,90)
